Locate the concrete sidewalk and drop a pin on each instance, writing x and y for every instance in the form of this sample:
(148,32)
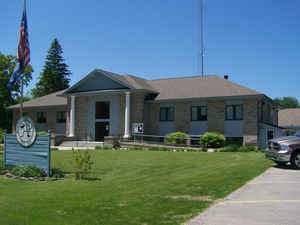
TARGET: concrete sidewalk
(270,199)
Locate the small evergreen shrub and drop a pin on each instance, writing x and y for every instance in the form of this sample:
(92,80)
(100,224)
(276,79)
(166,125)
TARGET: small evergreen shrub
(28,171)
(176,138)
(82,163)
(57,173)
(212,140)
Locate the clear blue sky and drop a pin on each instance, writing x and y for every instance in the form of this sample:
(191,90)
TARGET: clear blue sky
(256,41)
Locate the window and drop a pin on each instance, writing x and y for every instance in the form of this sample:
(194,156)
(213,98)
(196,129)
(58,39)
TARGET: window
(41,117)
(234,112)
(61,117)
(199,113)
(270,134)
(166,114)
(102,110)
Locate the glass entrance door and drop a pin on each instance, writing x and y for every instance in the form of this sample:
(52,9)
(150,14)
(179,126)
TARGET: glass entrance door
(102,120)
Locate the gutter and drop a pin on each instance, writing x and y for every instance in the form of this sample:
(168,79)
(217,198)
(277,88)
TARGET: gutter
(260,96)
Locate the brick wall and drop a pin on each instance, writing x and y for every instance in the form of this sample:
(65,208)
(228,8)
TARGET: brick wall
(32,113)
(151,114)
(182,117)
(216,116)
(137,108)
(81,117)
(250,122)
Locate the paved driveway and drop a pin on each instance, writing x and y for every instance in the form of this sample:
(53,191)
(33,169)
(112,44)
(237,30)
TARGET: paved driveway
(270,199)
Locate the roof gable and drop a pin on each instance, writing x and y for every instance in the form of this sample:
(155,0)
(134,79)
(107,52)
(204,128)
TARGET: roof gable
(98,80)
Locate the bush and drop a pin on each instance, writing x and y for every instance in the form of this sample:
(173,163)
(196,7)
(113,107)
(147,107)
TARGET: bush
(212,140)
(230,148)
(41,133)
(82,163)
(236,148)
(1,136)
(28,171)
(176,138)
(247,149)
(57,173)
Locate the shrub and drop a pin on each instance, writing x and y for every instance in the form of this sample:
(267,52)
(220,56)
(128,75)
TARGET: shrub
(247,148)
(212,140)
(57,173)
(27,171)
(41,133)
(230,148)
(176,138)
(1,136)
(82,163)
(236,148)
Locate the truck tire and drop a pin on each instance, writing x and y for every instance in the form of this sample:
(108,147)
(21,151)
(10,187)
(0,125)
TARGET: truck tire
(295,160)
(281,163)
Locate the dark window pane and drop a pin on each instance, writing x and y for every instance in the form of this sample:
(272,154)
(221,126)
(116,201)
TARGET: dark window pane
(238,112)
(229,112)
(194,113)
(163,114)
(203,113)
(102,110)
(60,117)
(41,117)
(170,114)
(166,114)
(270,134)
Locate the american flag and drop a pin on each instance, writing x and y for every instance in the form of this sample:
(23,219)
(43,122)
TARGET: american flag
(23,51)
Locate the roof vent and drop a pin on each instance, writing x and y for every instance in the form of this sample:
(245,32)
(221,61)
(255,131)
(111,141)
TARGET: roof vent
(226,77)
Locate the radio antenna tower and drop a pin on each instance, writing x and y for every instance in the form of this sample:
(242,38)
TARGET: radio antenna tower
(201,36)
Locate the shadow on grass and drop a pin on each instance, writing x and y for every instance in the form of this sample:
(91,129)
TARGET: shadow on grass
(92,179)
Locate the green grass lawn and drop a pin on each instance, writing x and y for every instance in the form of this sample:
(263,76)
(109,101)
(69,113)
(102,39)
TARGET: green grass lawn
(133,187)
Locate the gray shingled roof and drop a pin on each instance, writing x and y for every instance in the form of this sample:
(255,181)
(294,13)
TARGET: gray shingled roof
(47,100)
(289,117)
(199,87)
(167,89)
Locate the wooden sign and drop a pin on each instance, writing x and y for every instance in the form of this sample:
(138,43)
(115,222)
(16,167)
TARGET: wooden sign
(38,154)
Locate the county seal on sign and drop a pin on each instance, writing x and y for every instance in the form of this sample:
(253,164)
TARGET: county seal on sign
(25,131)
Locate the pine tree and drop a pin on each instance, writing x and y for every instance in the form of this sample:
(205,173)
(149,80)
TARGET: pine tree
(54,76)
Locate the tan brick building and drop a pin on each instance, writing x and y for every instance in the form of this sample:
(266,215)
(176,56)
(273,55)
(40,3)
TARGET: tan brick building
(107,104)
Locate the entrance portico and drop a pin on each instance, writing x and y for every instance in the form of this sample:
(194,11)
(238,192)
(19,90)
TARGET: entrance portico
(103,112)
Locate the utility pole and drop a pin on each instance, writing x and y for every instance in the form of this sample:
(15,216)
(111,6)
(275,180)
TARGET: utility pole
(202,36)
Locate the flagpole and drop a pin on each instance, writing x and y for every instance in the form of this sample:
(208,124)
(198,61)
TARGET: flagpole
(21,103)
(22,86)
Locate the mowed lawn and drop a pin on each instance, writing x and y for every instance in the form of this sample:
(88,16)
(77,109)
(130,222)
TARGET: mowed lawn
(132,187)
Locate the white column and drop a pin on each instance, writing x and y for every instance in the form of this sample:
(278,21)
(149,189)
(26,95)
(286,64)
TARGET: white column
(127,116)
(72,117)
